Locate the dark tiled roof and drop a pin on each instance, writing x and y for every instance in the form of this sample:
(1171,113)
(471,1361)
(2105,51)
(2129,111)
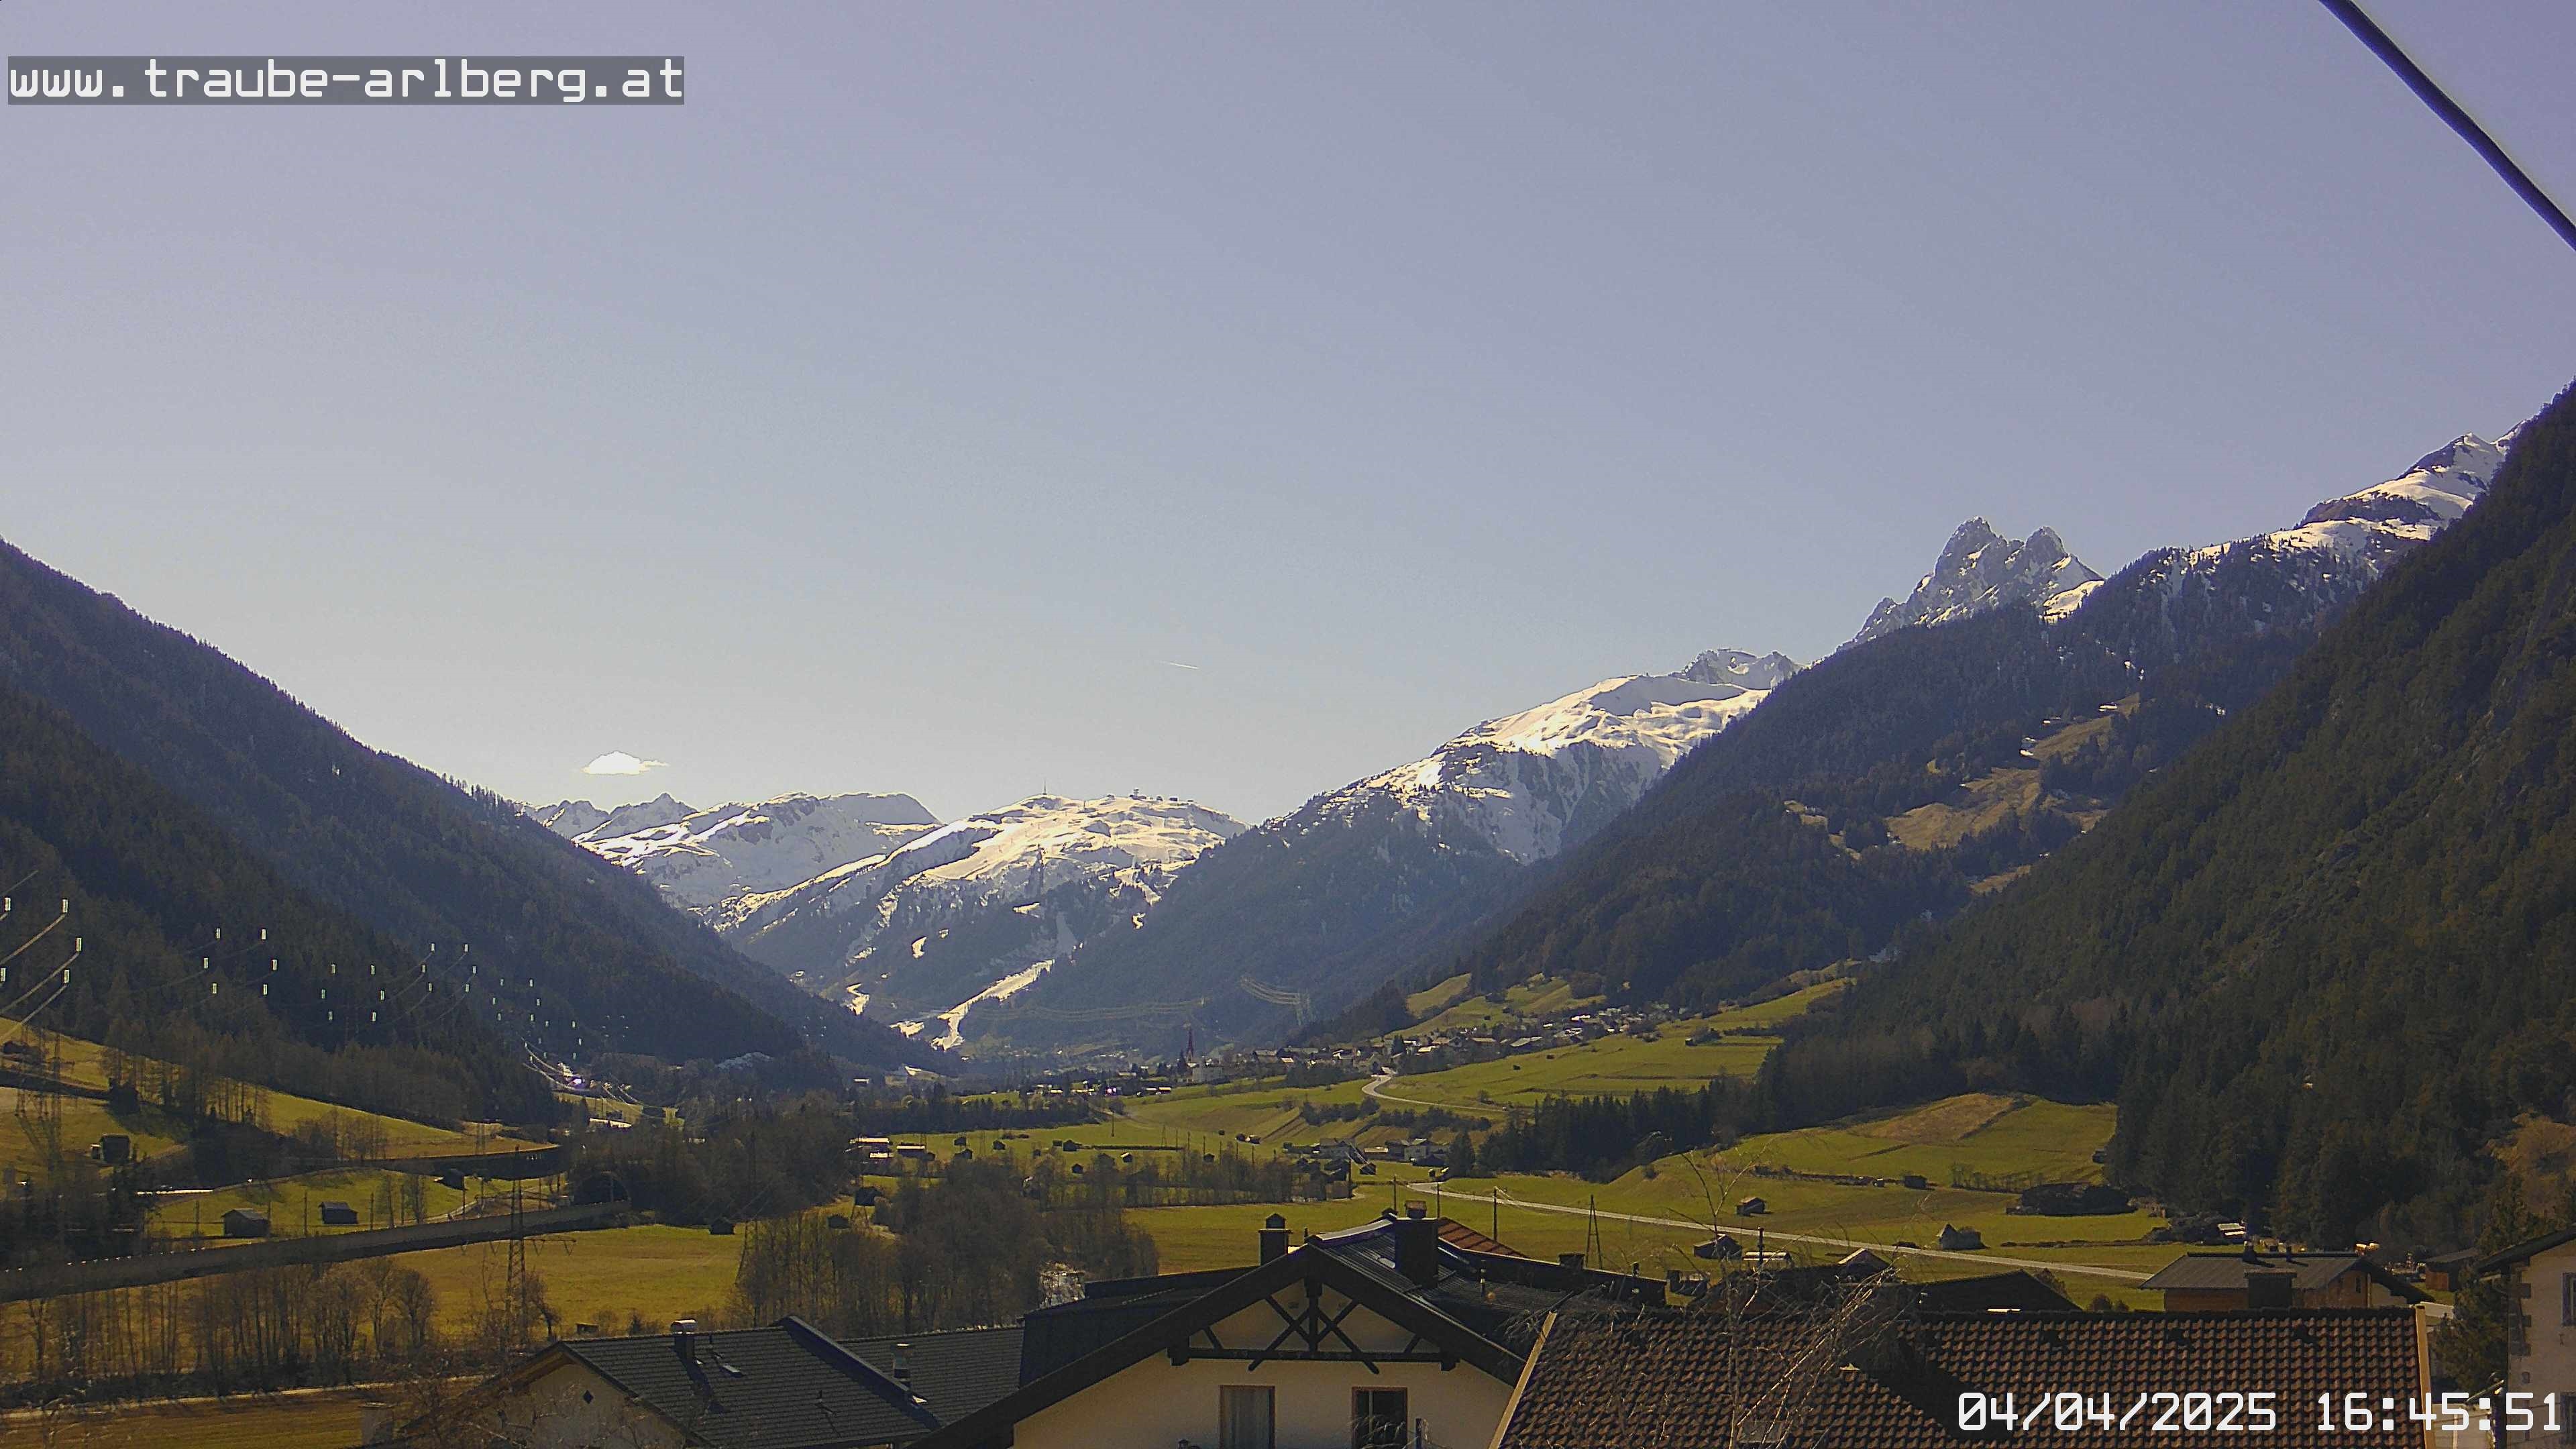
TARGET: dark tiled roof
(1705,1381)
(1482,1309)
(2016,1289)
(954,1372)
(2225,1272)
(1702,1381)
(2525,1251)
(1503,1296)
(1106,1312)
(783,1387)
(1497,1300)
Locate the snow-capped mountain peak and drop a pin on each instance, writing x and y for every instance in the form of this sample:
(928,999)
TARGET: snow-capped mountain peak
(1743,670)
(2348,541)
(1980,570)
(1528,785)
(581,820)
(2442,485)
(975,909)
(706,859)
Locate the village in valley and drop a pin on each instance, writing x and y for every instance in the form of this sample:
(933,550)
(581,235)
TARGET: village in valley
(1433,726)
(1312,1212)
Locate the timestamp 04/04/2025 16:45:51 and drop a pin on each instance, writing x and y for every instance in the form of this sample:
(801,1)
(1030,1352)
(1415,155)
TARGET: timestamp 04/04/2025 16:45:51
(2230,1411)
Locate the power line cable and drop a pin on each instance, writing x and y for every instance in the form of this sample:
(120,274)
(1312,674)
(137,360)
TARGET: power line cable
(42,932)
(2432,94)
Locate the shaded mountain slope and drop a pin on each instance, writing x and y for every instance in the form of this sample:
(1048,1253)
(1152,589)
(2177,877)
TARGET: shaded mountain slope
(149,881)
(589,954)
(1938,761)
(2329,956)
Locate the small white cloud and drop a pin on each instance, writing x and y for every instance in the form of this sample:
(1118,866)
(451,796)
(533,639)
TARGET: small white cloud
(618,762)
(1176,664)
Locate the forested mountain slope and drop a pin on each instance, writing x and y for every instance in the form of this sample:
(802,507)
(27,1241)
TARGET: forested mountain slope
(2331,954)
(1911,771)
(149,881)
(588,954)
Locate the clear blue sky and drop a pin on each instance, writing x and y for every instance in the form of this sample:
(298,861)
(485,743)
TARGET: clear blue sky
(901,411)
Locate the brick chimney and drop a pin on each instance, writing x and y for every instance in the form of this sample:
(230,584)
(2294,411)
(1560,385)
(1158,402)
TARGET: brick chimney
(899,1367)
(684,1338)
(1417,1245)
(1274,1238)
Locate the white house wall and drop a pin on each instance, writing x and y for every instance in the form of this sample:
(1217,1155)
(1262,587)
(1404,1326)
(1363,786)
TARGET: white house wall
(2547,1363)
(550,1413)
(1156,1404)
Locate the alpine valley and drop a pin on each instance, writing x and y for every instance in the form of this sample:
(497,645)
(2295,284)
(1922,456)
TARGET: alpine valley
(1693,835)
(1925,766)
(1650,842)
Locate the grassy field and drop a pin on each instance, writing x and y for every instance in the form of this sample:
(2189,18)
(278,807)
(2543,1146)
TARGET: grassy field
(1981,1132)
(1540,996)
(84,1063)
(1988,1134)
(82,1123)
(1215,1237)
(610,1277)
(294,1204)
(1613,1065)
(1982,803)
(320,1419)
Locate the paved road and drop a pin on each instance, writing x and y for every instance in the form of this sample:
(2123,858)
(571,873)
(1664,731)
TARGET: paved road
(2124,1275)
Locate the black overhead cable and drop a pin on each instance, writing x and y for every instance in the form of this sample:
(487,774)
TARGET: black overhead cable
(2457,119)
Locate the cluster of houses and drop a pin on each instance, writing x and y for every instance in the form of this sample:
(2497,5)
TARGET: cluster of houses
(1465,1045)
(1408,1052)
(1418,1331)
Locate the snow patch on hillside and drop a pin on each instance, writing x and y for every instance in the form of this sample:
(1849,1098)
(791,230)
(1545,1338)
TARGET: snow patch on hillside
(954,1018)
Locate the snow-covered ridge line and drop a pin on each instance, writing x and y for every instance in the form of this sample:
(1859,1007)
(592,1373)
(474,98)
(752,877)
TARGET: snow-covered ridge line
(706,860)
(2371,525)
(1529,784)
(974,910)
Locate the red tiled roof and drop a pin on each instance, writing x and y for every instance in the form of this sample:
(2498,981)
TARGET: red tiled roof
(1458,1235)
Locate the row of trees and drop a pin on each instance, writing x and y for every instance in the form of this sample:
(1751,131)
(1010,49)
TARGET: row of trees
(940,1111)
(967,1248)
(267,1329)
(1602,1137)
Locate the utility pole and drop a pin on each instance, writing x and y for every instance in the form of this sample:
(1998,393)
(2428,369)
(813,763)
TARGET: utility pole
(515,1277)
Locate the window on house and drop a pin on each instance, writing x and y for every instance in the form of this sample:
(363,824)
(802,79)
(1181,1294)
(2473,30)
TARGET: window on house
(1247,1416)
(2567,1300)
(1380,1419)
